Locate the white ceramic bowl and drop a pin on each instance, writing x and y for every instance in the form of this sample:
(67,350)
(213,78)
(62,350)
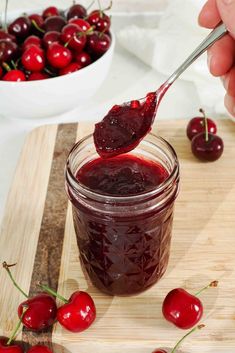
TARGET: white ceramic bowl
(53,96)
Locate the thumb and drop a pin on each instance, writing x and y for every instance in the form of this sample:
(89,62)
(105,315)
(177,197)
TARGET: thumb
(227,11)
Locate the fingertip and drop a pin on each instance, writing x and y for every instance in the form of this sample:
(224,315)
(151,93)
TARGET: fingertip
(209,16)
(221,56)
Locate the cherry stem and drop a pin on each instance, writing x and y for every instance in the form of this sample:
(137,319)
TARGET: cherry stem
(199,327)
(34,23)
(13,65)
(14,333)
(206,124)
(52,292)
(5,16)
(7,268)
(213,284)
(89,6)
(80,34)
(99,5)
(6,66)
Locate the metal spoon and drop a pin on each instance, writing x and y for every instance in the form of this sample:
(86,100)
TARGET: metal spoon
(127,133)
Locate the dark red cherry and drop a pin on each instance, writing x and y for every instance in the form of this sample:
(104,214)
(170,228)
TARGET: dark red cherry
(33,58)
(50,11)
(181,308)
(82,58)
(209,149)
(37,24)
(159,351)
(40,313)
(73,36)
(54,23)
(14,75)
(39,349)
(31,40)
(7,36)
(76,11)
(20,28)
(1,72)
(37,18)
(50,37)
(83,24)
(8,51)
(34,76)
(9,348)
(58,56)
(197,125)
(72,67)
(99,20)
(98,43)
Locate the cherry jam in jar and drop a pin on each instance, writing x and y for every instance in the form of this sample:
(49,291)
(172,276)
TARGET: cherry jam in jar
(123,213)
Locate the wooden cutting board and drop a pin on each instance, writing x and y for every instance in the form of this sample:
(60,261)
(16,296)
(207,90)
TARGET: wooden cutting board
(37,233)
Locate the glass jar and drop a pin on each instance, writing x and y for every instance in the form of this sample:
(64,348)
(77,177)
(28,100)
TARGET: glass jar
(124,242)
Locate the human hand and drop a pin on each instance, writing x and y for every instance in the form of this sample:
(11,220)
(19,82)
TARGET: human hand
(221,56)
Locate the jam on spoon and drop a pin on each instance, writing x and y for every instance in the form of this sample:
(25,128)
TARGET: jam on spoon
(125,125)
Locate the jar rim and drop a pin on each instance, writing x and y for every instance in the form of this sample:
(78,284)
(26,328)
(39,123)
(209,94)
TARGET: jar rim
(78,187)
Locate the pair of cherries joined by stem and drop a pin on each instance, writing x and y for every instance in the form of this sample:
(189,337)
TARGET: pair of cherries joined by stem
(205,144)
(76,314)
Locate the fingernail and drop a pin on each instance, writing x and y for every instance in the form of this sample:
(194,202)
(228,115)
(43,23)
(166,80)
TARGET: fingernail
(209,57)
(230,104)
(226,82)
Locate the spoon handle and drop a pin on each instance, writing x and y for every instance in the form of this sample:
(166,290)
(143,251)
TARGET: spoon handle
(216,34)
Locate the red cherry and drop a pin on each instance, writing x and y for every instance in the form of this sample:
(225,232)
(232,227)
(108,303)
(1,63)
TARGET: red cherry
(37,24)
(8,51)
(14,75)
(33,59)
(37,19)
(39,349)
(83,24)
(58,56)
(72,67)
(181,308)
(20,27)
(51,37)
(78,314)
(76,11)
(31,40)
(160,351)
(197,125)
(36,313)
(74,37)
(99,20)
(9,348)
(209,149)
(98,43)
(50,11)
(82,58)
(8,37)
(34,76)
(41,312)
(54,23)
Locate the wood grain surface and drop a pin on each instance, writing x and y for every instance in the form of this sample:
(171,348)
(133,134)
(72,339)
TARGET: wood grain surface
(37,233)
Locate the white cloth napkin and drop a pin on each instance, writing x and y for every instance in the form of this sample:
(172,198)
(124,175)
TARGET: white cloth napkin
(167,46)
